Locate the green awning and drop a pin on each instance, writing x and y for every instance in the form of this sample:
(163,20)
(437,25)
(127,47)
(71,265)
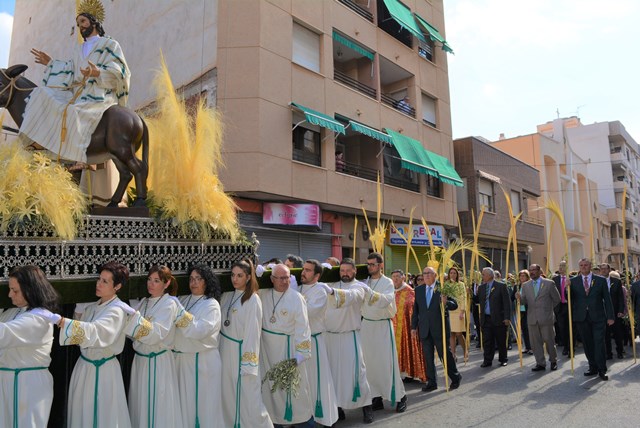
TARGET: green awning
(370,132)
(352,45)
(446,171)
(320,119)
(411,153)
(403,16)
(434,34)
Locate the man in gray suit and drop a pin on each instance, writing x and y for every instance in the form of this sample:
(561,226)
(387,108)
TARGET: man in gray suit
(540,296)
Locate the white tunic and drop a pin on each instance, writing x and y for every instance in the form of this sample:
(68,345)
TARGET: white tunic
(242,405)
(344,349)
(96,391)
(153,390)
(288,337)
(198,362)
(379,342)
(25,345)
(323,395)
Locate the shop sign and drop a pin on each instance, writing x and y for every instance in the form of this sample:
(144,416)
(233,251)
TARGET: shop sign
(419,236)
(291,214)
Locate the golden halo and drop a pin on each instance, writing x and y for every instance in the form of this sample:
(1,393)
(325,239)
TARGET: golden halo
(93,8)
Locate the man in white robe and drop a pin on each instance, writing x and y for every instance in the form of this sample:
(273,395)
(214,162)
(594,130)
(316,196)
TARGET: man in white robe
(61,115)
(323,395)
(285,335)
(378,338)
(343,320)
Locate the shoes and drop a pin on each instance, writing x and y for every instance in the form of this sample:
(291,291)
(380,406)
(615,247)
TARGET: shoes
(367,414)
(429,387)
(341,416)
(456,384)
(402,405)
(408,380)
(620,356)
(503,364)
(554,366)
(509,347)
(478,345)
(486,364)
(528,352)
(376,403)
(591,372)
(538,368)
(603,376)
(565,352)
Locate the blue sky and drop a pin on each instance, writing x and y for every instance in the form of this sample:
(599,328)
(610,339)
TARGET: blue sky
(518,63)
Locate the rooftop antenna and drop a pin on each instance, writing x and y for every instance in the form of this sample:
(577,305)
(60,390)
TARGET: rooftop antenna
(557,113)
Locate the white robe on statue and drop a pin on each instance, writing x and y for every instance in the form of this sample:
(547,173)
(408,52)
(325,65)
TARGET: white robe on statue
(323,395)
(153,390)
(100,335)
(198,362)
(242,405)
(25,343)
(288,337)
(344,349)
(379,341)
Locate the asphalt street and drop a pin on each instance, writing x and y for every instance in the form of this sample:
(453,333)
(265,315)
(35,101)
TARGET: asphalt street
(512,396)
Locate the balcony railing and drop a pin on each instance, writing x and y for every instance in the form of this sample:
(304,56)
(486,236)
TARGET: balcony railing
(339,76)
(616,242)
(392,102)
(306,157)
(358,9)
(358,171)
(533,220)
(402,183)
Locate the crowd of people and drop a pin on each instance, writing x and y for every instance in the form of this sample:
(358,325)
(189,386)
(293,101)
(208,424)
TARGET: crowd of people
(202,359)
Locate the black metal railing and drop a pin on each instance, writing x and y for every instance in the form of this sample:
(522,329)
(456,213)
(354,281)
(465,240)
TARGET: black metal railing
(402,183)
(358,170)
(396,104)
(358,9)
(339,76)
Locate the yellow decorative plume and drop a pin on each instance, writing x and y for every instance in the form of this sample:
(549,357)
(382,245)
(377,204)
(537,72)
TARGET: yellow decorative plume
(184,161)
(377,235)
(32,188)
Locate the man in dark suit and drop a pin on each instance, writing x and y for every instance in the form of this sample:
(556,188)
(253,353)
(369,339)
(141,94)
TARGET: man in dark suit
(616,331)
(592,310)
(635,304)
(562,310)
(426,322)
(495,315)
(475,310)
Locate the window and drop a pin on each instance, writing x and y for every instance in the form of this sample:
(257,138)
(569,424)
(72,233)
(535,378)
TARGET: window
(485,194)
(306,48)
(395,174)
(306,146)
(515,202)
(428,110)
(433,186)
(425,50)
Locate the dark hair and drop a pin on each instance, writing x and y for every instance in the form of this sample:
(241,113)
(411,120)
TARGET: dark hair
(165,276)
(377,256)
(296,260)
(119,272)
(457,273)
(348,261)
(92,19)
(211,282)
(317,267)
(36,289)
(252,285)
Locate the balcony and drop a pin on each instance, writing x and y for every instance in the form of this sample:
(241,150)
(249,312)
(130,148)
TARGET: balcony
(341,77)
(402,182)
(360,10)
(358,170)
(402,108)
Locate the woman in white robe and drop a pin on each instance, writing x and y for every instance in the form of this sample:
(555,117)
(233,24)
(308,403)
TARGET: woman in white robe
(198,361)
(153,390)
(26,386)
(96,391)
(242,405)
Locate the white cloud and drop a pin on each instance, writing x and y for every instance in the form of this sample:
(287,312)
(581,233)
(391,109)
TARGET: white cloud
(6,25)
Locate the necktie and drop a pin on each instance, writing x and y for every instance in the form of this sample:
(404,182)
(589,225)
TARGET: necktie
(562,285)
(429,295)
(487,306)
(586,285)
(536,288)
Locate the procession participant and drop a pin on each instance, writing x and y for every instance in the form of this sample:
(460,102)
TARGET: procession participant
(616,331)
(285,335)
(323,394)
(562,310)
(378,338)
(344,349)
(495,315)
(62,115)
(457,317)
(523,277)
(96,390)
(242,405)
(26,385)
(410,356)
(426,324)
(540,296)
(198,363)
(153,388)
(592,311)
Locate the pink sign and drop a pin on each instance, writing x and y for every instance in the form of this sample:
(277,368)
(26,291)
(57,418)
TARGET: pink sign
(291,214)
